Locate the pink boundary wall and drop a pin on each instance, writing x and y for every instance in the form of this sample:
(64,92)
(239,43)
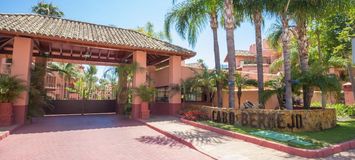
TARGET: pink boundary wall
(307,153)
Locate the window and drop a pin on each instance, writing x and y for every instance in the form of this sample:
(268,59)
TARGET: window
(162,94)
(50,81)
(193,96)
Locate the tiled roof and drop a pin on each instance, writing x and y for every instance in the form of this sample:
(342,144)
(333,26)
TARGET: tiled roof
(243,53)
(38,25)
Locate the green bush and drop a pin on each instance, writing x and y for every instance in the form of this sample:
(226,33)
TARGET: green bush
(146,93)
(10,88)
(343,110)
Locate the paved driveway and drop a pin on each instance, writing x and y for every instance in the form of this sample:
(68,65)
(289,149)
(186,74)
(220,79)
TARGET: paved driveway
(92,137)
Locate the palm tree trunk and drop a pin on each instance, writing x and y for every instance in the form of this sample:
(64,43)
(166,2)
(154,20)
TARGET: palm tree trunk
(303,53)
(239,95)
(229,26)
(259,55)
(214,26)
(40,67)
(287,62)
(320,57)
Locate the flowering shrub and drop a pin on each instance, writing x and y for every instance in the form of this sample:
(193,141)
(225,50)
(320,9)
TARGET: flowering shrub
(195,115)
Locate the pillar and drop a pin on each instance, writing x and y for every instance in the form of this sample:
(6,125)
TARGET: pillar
(21,67)
(139,109)
(174,79)
(348,94)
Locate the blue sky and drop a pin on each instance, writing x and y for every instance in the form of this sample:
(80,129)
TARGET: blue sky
(134,13)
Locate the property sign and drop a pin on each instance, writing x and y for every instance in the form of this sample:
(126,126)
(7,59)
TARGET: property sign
(285,120)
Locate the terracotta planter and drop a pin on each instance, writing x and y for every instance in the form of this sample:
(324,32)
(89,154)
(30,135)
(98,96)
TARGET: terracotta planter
(5,114)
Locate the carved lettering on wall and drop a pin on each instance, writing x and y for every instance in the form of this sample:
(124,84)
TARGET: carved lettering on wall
(258,119)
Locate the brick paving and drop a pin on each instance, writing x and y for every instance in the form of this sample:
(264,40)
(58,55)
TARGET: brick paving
(93,137)
(224,147)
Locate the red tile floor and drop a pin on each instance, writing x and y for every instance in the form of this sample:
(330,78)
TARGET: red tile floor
(92,137)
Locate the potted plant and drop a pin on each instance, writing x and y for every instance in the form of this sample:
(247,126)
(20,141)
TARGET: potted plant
(146,94)
(10,89)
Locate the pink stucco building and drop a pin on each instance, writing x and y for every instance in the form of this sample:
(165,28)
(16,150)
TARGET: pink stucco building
(246,60)
(81,42)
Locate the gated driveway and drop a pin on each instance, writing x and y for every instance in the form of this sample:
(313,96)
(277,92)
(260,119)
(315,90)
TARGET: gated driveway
(91,137)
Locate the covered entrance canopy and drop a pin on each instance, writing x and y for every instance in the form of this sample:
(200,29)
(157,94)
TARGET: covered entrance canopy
(23,36)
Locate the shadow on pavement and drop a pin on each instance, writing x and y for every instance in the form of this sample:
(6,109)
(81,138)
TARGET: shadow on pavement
(159,140)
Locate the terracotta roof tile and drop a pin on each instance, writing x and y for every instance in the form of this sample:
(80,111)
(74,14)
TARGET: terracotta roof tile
(243,53)
(75,30)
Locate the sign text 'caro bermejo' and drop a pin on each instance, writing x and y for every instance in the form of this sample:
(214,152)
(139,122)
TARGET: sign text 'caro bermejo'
(286,120)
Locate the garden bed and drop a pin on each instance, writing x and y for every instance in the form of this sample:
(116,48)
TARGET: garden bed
(344,131)
(318,150)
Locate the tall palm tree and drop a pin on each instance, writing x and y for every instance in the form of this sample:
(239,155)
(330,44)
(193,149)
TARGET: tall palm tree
(301,12)
(229,24)
(190,17)
(67,71)
(47,9)
(253,9)
(280,8)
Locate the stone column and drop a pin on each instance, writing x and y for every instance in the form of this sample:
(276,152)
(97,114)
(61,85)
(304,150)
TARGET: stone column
(174,79)
(139,109)
(21,67)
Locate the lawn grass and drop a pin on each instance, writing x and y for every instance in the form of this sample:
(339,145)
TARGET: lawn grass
(344,131)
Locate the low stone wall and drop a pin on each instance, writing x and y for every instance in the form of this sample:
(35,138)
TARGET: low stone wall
(284,120)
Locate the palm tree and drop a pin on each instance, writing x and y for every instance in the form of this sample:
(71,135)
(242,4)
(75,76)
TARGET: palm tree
(241,81)
(190,17)
(301,12)
(148,30)
(90,79)
(47,9)
(229,24)
(275,86)
(67,71)
(124,74)
(85,83)
(37,91)
(280,8)
(317,77)
(204,81)
(253,10)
